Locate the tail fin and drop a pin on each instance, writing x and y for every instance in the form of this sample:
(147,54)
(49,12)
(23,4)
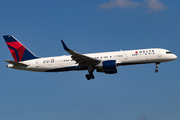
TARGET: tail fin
(18,51)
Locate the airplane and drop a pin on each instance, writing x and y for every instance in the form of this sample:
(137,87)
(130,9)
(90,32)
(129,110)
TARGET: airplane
(105,62)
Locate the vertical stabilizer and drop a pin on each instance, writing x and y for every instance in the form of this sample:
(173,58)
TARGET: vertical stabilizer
(18,50)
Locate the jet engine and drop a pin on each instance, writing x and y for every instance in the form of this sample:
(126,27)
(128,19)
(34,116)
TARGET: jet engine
(108,67)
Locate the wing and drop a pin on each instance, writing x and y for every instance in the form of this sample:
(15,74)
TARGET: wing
(81,59)
(16,63)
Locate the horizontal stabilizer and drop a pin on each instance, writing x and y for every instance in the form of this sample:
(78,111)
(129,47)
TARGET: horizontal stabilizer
(16,63)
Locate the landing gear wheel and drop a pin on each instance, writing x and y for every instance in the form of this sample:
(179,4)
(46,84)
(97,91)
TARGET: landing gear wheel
(91,76)
(88,77)
(156,70)
(90,71)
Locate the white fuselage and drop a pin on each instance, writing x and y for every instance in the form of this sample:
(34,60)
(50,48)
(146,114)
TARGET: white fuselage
(65,63)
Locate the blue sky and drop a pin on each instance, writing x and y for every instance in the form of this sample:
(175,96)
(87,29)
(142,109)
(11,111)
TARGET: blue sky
(134,93)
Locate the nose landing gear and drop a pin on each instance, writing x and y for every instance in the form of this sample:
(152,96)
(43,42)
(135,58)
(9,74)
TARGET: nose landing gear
(157,67)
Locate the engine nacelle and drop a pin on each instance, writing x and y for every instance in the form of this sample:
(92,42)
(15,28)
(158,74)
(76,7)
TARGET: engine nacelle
(108,67)
(110,64)
(112,71)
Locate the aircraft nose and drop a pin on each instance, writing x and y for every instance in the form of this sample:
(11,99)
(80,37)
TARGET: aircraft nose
(174,57)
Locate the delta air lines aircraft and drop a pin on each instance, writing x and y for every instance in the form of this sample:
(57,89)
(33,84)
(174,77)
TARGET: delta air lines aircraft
(105,62)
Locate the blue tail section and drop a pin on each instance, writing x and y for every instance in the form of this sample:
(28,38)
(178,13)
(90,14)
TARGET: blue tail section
(18,51)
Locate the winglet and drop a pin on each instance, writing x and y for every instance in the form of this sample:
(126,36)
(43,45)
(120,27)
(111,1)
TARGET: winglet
(64,45)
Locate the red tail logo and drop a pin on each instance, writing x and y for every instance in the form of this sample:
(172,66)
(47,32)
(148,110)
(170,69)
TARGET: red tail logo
(18,51)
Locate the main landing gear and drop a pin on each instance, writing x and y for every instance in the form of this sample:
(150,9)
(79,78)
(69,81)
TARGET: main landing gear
(157,67)
(90,75)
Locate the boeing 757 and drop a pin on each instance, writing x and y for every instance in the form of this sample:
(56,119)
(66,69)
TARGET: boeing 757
(105,62)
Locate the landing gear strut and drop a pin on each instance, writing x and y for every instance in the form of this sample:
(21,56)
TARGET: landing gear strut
(90,75)
(157,67)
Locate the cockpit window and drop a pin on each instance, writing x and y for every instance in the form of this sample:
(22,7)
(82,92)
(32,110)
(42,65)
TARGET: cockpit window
(168,52)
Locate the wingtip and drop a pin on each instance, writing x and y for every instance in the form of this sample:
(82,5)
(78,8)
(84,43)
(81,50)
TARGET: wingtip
(64,45)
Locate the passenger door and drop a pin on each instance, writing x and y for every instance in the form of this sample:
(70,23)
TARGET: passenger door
(37,64)
(125,56)
(159,54)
